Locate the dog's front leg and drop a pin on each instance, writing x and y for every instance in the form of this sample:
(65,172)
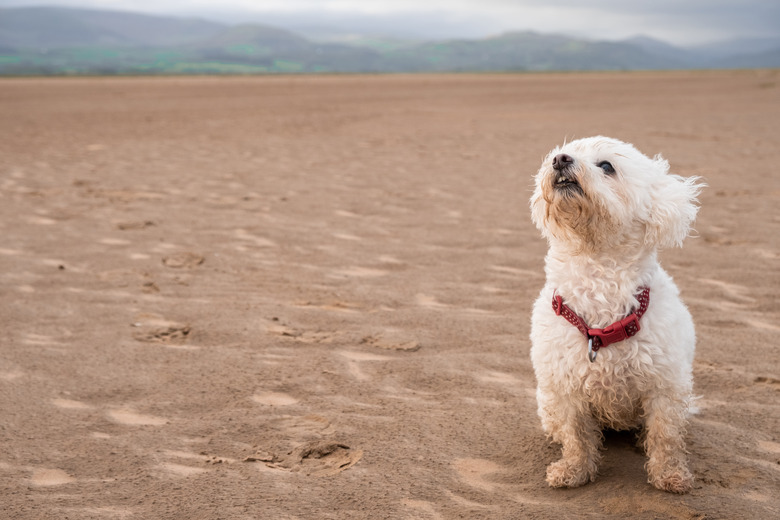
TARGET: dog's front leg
(664,430)
(570,423)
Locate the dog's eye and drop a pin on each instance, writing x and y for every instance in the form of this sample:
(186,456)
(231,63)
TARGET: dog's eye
(607,167)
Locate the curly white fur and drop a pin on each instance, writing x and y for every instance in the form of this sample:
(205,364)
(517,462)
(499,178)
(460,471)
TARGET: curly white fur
(604,232)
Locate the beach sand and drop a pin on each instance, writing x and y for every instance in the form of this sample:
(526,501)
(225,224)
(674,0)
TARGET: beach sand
(309,297)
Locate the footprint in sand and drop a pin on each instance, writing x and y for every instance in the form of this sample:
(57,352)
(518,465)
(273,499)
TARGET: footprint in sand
(50,477)
(300,335)
(132,418)
(283,330)
(392,340)
(137,224)
(769,381)
(172,334)
(317,459)
(150,288)
(155,329)
(185,260)
(178,469)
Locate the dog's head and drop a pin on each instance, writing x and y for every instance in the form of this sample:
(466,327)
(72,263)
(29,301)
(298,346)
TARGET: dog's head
(597,193)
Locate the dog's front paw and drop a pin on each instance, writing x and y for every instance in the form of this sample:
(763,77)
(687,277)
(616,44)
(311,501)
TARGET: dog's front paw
(679,481)
(565,473)
(670,473)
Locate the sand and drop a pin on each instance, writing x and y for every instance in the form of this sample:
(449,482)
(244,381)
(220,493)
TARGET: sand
(308,297)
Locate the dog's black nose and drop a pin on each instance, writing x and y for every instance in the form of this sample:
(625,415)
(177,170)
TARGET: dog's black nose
(561,161)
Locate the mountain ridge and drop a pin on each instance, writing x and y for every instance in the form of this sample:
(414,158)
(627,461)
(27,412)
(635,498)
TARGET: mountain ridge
(43,27)
(58,40)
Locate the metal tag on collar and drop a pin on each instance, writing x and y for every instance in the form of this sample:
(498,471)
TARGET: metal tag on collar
(591,353)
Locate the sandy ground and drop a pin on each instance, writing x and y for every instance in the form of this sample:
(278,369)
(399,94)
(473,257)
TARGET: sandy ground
(235,298)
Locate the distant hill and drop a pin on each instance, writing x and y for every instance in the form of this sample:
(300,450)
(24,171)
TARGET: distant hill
(276,50)
(737,47)
(46,40)
(59,27)
(767,59)
(683,58)
(527,51)
(256,35)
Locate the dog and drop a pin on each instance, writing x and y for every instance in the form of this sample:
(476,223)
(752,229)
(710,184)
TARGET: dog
(612,342)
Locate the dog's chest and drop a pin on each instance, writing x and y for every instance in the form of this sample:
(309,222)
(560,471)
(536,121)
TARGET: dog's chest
(613,396)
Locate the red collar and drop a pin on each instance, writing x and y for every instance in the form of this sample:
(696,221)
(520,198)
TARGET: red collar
(598,338)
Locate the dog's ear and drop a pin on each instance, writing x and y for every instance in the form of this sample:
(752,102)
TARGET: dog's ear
(673,208)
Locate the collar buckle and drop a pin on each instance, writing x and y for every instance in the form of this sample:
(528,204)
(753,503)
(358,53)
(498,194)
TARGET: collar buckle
(618,331)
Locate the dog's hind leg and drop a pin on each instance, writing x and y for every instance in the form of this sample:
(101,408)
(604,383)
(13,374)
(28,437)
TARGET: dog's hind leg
(663,436)
(574,427)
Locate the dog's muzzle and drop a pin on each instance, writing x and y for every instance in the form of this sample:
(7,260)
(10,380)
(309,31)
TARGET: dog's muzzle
(563,172)
(564,178)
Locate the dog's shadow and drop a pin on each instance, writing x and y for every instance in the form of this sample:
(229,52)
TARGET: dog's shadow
(623,456)
(622,440)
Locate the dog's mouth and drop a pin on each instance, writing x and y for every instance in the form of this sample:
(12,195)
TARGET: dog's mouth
(566,181)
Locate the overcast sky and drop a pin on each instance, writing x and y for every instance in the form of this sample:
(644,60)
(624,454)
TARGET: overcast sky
(676,21)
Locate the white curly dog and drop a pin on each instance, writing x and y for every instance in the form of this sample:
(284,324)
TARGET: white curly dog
(612,343)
